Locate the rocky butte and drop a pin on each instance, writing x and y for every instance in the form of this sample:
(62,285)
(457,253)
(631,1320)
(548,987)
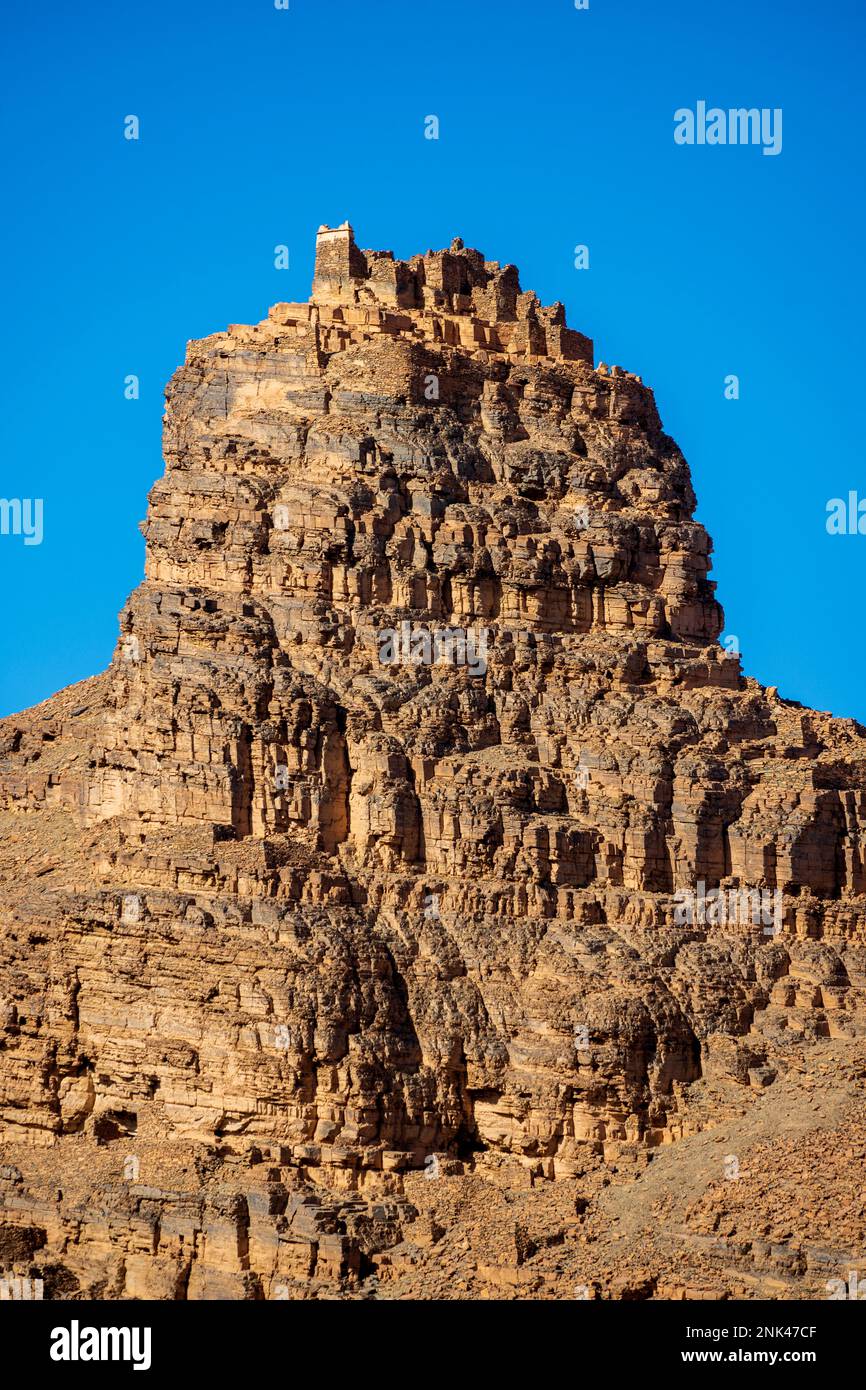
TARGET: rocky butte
(332,971)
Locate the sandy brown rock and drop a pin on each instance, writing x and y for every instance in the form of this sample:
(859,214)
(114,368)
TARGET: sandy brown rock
(308,960)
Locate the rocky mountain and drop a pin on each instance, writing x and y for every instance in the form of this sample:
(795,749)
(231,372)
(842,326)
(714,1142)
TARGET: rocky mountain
(424,903)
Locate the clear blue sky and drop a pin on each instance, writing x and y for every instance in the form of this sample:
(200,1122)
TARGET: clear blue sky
(556,129)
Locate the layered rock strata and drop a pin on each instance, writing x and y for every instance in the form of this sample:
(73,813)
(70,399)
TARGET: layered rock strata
(394,839)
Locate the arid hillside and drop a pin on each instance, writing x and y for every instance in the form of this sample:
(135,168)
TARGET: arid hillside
(424,904)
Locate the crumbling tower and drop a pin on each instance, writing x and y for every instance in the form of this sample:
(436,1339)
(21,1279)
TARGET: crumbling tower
(340,266)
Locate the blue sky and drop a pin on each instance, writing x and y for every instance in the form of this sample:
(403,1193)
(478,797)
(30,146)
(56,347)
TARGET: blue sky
(556,129)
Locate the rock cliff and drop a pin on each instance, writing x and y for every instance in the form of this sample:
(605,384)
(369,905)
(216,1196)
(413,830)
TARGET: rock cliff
(423,903)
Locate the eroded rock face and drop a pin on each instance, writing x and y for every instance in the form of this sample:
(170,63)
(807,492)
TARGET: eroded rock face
(370,853)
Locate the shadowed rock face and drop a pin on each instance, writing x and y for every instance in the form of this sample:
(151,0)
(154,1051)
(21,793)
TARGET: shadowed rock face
(367,856)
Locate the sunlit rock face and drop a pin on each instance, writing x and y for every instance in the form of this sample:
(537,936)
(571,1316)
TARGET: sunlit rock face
(420,827)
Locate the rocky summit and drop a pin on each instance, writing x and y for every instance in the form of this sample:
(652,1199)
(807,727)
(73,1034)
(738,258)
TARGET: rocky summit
(423,904)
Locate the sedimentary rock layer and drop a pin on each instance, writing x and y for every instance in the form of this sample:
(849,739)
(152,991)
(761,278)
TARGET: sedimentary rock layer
(420,843)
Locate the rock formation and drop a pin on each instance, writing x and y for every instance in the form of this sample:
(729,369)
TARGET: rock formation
(423,903)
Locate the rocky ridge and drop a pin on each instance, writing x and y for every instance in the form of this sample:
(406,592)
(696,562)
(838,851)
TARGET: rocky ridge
(349,901)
